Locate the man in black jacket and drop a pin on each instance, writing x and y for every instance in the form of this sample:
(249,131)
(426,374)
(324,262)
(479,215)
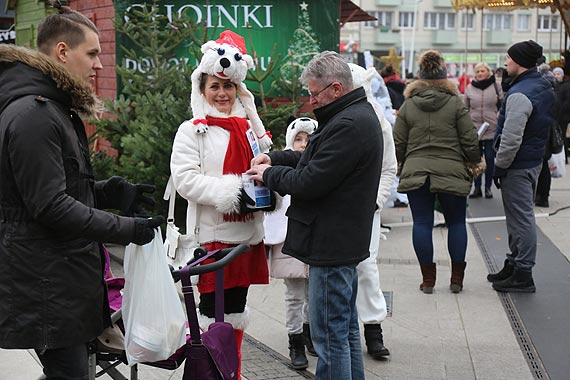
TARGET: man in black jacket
(52,288)
(333,186)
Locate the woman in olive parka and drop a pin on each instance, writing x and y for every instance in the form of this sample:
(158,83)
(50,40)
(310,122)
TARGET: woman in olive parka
(436,143)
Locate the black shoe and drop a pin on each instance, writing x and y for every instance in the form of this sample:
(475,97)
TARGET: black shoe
(375,341)
(476,193)
(307,339)
(520,281)
(297,351)
(503,274)
(541,202)
(488,194)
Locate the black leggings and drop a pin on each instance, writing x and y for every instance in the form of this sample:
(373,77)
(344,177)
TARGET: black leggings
(234,302)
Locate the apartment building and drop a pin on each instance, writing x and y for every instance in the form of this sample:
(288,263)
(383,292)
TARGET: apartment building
(464,37)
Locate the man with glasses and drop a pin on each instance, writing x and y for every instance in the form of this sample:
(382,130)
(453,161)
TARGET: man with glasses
(333,187)
(522,131)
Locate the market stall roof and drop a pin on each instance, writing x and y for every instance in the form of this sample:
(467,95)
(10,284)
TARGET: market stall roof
(350,12)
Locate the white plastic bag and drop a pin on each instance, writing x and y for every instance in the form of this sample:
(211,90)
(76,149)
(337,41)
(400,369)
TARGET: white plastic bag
(155,323)
(556,164)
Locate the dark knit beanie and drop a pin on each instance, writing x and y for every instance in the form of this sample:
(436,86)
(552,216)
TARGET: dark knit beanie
(525,53)
(432,65)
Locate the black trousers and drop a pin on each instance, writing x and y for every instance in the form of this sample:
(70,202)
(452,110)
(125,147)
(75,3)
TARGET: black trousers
(69,363)
(544,181)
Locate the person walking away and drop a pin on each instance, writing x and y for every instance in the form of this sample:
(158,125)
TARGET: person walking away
(295,273)
(54,297)
(522,131)
(435,140)
(333,186)
(483,98)
(370,301)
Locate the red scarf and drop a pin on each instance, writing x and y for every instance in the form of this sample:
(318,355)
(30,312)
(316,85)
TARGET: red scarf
(238,155)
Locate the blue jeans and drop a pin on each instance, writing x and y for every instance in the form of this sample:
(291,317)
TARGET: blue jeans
(69,363)
(422,206)
(334,322)
(487,150)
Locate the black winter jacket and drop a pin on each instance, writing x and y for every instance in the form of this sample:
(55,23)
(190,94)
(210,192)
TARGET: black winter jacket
(333,184)
(51,273)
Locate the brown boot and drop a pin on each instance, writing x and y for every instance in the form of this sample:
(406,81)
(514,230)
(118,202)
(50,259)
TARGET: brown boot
(457,272)
(428,275)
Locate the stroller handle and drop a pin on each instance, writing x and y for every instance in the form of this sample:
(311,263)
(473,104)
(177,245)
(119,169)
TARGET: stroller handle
(223,257)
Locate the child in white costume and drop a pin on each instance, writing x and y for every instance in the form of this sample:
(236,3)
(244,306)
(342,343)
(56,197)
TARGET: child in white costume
(370,300)
(294,272)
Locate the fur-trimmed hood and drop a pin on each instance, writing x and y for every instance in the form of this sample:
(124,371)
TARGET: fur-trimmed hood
(430,94)
(39,78)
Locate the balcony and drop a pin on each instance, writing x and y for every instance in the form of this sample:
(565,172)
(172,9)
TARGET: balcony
(389,3)
(441,3)
(444,37)
(498,37)
(386,37)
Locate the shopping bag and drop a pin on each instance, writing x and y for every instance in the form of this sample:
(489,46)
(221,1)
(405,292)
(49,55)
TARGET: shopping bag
(556,165)
(155,323)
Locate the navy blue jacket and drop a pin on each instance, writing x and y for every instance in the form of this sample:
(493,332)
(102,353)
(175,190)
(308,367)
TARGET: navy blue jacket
(533,120)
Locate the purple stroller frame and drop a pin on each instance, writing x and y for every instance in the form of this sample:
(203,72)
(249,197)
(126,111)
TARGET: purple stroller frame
(108,361)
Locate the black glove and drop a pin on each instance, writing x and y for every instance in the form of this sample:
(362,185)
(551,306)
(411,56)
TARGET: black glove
(498,176)
(127,197)
(144,229)
(245,200)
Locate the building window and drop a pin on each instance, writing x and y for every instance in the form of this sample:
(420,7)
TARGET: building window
(498,21)
(441,21)
(523,23)
(469,20)
(384,20)
(406,20)
(546,23)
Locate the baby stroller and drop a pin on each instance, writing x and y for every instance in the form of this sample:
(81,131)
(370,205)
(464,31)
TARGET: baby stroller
(106,353)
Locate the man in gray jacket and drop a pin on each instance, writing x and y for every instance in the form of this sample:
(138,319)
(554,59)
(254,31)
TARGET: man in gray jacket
(333,186)
(522,132)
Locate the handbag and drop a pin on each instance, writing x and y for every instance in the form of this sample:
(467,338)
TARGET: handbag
(213,354)
(179,248)
(477,169)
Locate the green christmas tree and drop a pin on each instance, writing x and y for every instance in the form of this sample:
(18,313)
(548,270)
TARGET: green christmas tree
(303,47)
(141,123)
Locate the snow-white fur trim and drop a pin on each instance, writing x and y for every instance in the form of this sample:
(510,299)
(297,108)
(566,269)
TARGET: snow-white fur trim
(227,200)
(302,124)
(239,321)
(236,72)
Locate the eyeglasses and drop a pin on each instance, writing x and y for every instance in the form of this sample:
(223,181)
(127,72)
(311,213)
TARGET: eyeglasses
(320,92)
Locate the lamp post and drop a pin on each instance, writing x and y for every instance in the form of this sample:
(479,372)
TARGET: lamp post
(411,62)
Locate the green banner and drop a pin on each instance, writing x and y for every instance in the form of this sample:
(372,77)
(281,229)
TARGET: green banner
(297,29)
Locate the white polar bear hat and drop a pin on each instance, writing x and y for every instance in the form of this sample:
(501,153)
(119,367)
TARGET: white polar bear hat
(227,58)
(302,124)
